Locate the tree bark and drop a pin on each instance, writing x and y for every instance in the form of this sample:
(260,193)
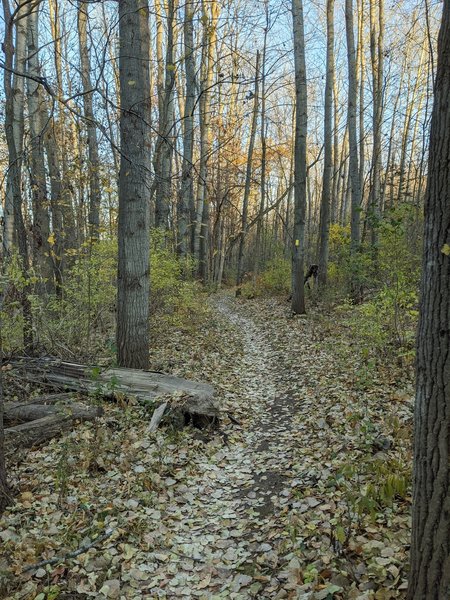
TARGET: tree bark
(88,93)
(186,205)
(301,124)
(166,138)
(430,545)
(354,175)
(328,151)
(134,186)
(41,218)
(209,19)
(248,179)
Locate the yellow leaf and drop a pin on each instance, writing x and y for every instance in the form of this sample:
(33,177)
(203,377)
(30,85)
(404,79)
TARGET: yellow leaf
(446,249)
(51,239)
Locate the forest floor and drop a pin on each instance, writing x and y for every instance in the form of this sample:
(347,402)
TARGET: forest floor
(303,494)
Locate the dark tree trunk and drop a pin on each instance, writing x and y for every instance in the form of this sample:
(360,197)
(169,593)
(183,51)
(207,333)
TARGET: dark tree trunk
(430,547)
(328,157)
(134,186)
(301,119)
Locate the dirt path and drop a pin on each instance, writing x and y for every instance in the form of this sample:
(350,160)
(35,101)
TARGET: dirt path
(232,524)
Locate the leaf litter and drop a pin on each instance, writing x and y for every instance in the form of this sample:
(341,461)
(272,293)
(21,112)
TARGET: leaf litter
(302,494)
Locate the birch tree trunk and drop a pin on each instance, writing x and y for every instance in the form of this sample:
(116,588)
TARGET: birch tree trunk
(134,186)
(328,150)
(93,155)
(430,545)
(301,125)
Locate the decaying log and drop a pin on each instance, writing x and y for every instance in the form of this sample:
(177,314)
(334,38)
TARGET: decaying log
(195,401)
(41,430)
(16,412)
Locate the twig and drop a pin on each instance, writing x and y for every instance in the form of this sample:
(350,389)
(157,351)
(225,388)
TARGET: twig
(81,550)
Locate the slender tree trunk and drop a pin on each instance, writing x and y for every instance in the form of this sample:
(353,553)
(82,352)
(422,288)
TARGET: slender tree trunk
(328,150)
(430,545)
(301,128)
(18,86)
(262,202)
(93,155)
(376,54)
(187,203)
(134,186)
(361,69)
(248,179)
(166,138)
(14,162)
(209,18)
(41,220)
(354,174)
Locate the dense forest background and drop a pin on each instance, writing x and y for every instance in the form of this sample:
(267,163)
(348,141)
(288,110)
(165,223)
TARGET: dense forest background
(221,158)
(216,217)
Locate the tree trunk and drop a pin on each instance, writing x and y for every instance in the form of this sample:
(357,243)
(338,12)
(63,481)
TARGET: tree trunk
(328,150)
(376,54)
(165,143)
(301,125)
(14,170)
(187,203)
(41,218)
(93,156)
(134,186)
(18,86)
(430,546)
(209,19)
(248,179)
(354,175)
(262,201)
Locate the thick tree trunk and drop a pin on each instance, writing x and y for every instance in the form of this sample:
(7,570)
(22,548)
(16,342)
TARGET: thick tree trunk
(93,155)
(301,123)
(134,186)
(328,149)
(430,547)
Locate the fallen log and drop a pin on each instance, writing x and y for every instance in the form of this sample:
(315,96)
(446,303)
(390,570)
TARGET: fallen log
(43,429)
(15,412)
(195,401)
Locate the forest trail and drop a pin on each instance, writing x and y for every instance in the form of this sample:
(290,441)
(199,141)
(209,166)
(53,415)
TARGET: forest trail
(257,509)
(232,526)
